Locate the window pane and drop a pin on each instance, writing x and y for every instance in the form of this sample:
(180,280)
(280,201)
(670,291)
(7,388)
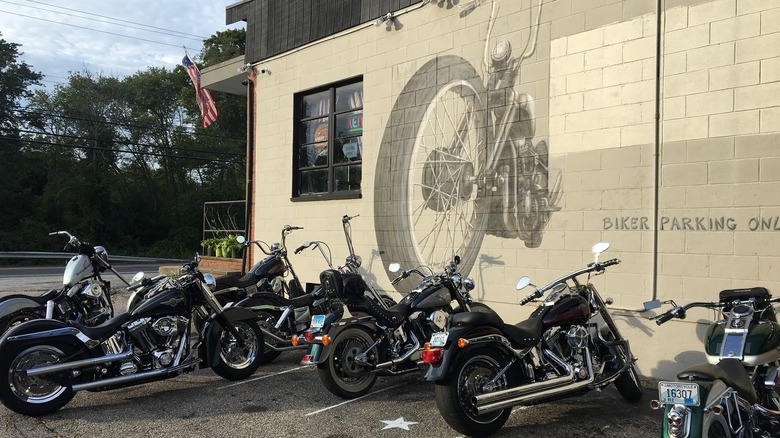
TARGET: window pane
(314,181)
(315,154)
(349,124)
(348,149)
(314,131)
(348,177)
(349,97)
(315,104)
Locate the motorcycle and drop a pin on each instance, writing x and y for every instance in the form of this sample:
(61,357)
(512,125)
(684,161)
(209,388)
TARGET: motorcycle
(734,394)
(470,165)
(267,275)
(284,320)
(45,362)
(385,341)
(569,345)
(85,297)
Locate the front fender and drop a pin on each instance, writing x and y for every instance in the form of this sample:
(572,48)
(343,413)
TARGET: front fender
(212,331)
(16,303)
(367,322)
(452,351)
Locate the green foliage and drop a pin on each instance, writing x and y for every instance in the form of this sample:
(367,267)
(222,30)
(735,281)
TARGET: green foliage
(119,162)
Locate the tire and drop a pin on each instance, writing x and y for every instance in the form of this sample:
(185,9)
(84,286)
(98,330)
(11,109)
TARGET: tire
(236,362)
(339,373)
(627,383)
(267,321)
(453,395)
(429,205)
(17,318)
(716,430)
(33,396)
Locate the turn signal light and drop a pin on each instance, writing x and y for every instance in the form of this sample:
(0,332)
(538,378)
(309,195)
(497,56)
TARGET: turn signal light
(325,340)
(427,346)
(294,341)
(309,336)
(433,356)
(655,404)
(717,409)
(462,342)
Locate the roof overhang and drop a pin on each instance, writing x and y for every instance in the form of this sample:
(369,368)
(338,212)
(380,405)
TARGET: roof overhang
(226,76)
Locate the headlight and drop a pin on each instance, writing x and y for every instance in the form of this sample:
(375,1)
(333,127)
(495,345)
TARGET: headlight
(210,282)
(468,283)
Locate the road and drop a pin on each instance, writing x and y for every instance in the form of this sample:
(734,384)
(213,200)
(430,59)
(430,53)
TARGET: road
(284,399)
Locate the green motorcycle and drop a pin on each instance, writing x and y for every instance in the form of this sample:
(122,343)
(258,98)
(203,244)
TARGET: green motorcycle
(736,393)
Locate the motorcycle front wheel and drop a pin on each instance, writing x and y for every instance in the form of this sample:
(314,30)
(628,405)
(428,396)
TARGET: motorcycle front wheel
(34,395)
(454,396)
(340,374)
(238,362)
(429,191)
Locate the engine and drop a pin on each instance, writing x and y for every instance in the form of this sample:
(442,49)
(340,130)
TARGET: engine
(565,351)
(156,339)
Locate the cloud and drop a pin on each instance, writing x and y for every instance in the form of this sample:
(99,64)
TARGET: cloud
(67,43)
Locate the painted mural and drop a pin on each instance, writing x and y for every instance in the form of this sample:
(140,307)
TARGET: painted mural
(460,159)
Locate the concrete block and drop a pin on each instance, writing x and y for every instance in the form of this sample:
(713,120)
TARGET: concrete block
(624,31)
(684,174)
(734,171)
(686,129)
(567,65)
(760,146)
(711,149)
(711,11)
(735,76)
(603,57)
(770,70)
(769,120)
(736,123)
(762,47)
(673,108)
(687,38)
(737,28)
(686,83)
(709,103)
(711,56)
(706,196)
(770,169)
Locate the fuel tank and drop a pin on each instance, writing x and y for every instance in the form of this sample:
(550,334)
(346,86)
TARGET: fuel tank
(270,266)
(77,269)
(570,309)
(762,344)
(171,301)
(431,298)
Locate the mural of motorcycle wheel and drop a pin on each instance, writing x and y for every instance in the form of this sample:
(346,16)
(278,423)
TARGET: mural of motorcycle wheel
(455,164)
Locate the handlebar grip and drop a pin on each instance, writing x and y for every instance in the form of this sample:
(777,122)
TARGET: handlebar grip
(610,262)
(665,317)
(299,249)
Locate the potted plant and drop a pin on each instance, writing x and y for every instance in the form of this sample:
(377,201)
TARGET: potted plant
(209,246)
(232,246)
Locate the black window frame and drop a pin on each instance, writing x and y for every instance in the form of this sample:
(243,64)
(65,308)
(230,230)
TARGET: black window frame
(298,119)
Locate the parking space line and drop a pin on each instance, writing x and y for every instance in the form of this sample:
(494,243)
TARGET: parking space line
(262,377)
(354,399)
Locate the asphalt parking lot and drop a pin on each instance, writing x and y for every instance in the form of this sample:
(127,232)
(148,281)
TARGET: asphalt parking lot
(284,399)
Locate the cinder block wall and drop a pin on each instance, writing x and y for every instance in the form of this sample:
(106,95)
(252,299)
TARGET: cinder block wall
(713,220)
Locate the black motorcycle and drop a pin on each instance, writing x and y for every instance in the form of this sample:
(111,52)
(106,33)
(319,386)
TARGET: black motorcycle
(570,345)
(46,361)
(85,297)
(285,321)
(385,341)
(267,275)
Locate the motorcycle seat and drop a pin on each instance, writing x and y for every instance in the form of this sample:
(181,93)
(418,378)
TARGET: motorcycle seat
(526,333)
(107,328)
(392,317)
(228,281)
(730,371)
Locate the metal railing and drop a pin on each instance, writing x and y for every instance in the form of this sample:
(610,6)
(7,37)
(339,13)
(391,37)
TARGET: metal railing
(66,255)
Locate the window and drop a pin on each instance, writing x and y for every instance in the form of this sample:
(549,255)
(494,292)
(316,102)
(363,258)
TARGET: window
(328,142)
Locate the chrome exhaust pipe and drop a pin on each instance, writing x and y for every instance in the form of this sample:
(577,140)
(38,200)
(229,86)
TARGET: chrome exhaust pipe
(406,355)
(66,366)
(132,377)
(498,400)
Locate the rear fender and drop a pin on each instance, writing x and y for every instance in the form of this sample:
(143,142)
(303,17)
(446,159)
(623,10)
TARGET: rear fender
(263,301)
(452,351)
(212,331)
(40,330)
(367,323)
(16,303)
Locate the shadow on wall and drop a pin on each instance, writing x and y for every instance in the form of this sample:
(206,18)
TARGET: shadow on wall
(671,367)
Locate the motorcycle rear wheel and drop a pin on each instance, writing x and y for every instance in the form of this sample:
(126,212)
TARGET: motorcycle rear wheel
(34,396)
(237,362)
(454,395)
(267,321)
(16,318)
(339,373)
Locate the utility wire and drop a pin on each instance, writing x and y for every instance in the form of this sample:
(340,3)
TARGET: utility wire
(104,21)
(93,30)
(116,19)
(123,124)
(129,143)
(96,148)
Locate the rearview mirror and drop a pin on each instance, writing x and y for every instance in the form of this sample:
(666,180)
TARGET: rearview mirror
(137,277)
(650,305)
(523,282)
(241,239)
(600,247)
(394,267)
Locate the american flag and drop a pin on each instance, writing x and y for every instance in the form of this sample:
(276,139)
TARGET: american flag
(208,112)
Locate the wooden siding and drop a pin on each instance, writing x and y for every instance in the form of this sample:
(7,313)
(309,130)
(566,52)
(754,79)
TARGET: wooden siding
(277,26)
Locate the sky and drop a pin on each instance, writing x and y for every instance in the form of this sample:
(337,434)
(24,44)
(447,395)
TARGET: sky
(108,37)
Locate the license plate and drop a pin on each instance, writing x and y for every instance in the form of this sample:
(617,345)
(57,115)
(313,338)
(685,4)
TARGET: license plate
(317,321)
(439,339)
(678,393)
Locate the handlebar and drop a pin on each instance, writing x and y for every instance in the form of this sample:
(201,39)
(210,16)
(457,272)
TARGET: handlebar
(292,227)
(680,311)
(598,267)
(348,218)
